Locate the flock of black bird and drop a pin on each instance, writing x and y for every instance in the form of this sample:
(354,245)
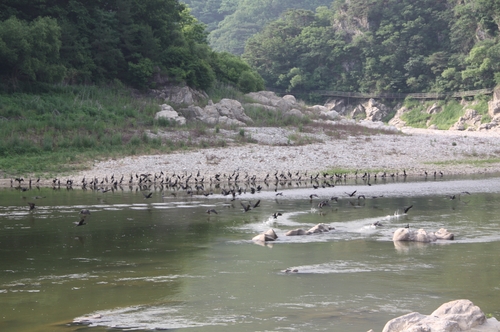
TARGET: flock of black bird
(227,184)
(198,182)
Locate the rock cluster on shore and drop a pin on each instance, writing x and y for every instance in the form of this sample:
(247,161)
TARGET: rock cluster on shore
(418,152)
(232,113)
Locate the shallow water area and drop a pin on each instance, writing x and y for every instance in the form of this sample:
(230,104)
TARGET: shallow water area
(165,263)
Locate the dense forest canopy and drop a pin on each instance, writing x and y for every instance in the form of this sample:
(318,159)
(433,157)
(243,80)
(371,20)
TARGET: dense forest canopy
(382,46)
(231,22)
(132,41)
(346,45)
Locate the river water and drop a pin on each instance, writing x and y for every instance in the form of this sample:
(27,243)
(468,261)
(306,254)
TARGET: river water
(164,263)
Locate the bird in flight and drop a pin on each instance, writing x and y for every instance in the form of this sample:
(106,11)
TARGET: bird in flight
(351,194)
(84,213)
(406,209)
(210,211)
(32,205)
(323,203)
(146,196)
(80,223)
(245,207)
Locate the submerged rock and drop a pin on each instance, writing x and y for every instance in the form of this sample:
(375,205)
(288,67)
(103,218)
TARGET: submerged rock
(268,235)
(319,228)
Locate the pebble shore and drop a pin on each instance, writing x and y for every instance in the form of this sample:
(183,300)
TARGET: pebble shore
(414,151)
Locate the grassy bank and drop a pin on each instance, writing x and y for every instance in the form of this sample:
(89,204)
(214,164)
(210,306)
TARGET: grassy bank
(450,111)
(67,127)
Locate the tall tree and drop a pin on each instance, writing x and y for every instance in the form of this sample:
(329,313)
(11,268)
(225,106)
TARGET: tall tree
(30,51)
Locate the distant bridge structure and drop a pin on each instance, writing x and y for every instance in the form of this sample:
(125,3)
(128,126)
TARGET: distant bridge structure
(390,95)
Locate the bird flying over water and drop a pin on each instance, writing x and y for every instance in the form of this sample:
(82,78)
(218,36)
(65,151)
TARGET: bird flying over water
(80,223)
(32,205)
(245,207)
(323,203)
(84,213)
(210,211)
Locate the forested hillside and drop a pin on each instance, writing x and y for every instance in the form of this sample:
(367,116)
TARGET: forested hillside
(381,46)
(231,22)
(130,41)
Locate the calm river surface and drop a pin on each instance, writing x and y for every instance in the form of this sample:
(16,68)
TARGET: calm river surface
(164,263)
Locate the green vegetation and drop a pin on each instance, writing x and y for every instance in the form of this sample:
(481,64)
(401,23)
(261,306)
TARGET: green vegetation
(452,110)
(381,46)
(474,162)
(263,117)
(66,68)
(139,43)
(232,22)
(416,118)
(69,126)
(480,104)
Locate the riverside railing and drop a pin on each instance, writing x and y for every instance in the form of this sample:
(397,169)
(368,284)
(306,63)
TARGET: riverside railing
(427,95)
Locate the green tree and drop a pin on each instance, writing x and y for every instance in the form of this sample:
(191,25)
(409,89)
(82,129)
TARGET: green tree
(483,65)
(30,51)
(248,17)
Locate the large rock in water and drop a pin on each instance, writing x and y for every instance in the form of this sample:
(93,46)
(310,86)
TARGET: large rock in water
(454,316)
(268,235)
(405,234)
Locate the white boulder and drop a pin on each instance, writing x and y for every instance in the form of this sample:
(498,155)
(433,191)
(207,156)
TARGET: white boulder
(453,316)
(167,112)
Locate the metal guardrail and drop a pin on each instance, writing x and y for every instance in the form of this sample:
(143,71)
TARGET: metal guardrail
(430,95)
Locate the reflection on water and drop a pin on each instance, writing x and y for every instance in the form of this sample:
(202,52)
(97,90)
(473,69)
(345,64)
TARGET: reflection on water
(165,263)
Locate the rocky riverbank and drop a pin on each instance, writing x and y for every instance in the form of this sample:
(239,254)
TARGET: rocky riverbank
(414,151)
(330,143)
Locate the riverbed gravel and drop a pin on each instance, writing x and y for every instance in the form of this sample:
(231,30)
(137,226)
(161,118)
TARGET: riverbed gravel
(411,151)
(414,151)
